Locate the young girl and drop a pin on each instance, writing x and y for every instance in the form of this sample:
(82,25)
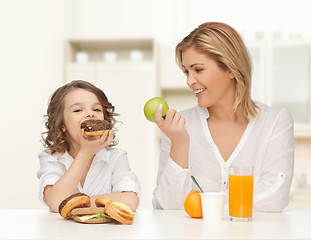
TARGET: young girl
(74,162)
(226,128)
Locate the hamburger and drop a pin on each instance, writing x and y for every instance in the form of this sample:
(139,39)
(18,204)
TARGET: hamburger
(95,127)
(116,210)
(90,215)
(77,207)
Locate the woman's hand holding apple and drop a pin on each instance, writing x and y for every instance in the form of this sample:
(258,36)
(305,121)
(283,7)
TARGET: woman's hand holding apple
(173,126)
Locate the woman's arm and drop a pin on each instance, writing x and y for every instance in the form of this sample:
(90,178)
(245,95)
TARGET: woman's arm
(173,126)
(271,193)
(173,181)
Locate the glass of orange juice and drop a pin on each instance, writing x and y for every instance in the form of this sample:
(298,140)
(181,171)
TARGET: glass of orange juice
(241,193)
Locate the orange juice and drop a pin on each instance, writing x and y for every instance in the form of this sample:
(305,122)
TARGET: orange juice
(241,196)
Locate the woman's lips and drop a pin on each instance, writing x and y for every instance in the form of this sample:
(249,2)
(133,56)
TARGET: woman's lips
(198,91)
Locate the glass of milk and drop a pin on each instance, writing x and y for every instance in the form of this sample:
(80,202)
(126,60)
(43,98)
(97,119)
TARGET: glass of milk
(213,206)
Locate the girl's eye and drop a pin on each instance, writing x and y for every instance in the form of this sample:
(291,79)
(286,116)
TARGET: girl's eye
(77,110)
(97,110)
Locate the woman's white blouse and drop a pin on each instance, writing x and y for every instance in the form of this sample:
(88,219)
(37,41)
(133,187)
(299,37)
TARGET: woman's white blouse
(267,145)
(109,172)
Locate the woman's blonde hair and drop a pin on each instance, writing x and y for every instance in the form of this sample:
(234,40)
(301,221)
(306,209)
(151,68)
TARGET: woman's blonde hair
(224,44)
(56,141)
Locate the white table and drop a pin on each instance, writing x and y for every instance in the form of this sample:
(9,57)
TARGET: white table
(148,224)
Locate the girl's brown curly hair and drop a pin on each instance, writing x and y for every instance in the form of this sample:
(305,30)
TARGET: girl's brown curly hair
(54,139)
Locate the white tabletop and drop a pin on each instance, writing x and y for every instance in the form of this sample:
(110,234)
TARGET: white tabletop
(150,224)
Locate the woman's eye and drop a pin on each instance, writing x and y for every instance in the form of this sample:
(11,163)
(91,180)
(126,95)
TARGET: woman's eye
(186,72)
(198,70)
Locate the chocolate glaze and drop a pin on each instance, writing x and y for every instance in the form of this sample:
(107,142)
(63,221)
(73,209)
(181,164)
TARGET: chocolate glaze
(93,125)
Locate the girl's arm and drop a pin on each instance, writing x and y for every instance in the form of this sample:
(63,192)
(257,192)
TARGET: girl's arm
(128,198)
(125,186)
(68,183)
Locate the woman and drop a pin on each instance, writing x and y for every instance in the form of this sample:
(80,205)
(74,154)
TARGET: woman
(226,128)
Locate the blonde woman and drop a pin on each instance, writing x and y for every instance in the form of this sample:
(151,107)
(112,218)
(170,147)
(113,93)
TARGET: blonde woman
(226,128)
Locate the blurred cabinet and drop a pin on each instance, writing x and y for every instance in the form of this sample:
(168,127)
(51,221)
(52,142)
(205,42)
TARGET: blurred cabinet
(290,82)
(257,53)
(80,71)
(170,76)
(281,77)
(300,199)
(125,69)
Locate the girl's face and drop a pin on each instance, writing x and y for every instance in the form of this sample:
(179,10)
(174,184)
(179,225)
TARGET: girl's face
(211,84)
(79,105)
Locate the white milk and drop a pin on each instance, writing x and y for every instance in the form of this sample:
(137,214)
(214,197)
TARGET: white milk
(213,206)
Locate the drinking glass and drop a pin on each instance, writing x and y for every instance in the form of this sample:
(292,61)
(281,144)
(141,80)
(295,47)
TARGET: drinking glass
(241,193)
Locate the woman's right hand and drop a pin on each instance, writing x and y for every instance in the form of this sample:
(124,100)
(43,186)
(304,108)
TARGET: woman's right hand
(173,126)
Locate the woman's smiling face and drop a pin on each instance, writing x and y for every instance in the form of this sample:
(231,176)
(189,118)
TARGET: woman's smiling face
(211,84)
(79,105)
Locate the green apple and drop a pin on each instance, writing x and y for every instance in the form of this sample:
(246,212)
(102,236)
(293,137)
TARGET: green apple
(151,107)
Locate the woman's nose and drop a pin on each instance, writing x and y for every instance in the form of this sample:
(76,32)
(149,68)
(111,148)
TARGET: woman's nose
(190,80)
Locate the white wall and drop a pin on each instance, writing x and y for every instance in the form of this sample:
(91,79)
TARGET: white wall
(31,58)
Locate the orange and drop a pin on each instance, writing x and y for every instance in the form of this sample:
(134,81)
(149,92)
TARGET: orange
(193,204)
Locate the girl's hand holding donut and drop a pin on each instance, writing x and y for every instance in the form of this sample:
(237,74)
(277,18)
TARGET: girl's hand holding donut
(92,144)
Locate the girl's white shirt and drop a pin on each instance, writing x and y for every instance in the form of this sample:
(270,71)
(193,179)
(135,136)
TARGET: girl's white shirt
(109,172)
(267,145)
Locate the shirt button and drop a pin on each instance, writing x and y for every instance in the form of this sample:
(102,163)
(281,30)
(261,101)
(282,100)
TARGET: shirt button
(225,182)
(225,167)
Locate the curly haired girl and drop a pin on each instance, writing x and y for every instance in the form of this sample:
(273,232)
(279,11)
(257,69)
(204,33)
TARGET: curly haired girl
(74,162)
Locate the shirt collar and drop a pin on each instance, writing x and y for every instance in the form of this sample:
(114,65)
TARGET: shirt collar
(203,112)
(102,155)
(67,159)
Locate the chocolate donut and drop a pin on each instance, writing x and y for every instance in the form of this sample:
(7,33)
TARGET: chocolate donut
(95,127)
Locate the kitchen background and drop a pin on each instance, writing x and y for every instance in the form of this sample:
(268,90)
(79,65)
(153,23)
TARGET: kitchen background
(127,49)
